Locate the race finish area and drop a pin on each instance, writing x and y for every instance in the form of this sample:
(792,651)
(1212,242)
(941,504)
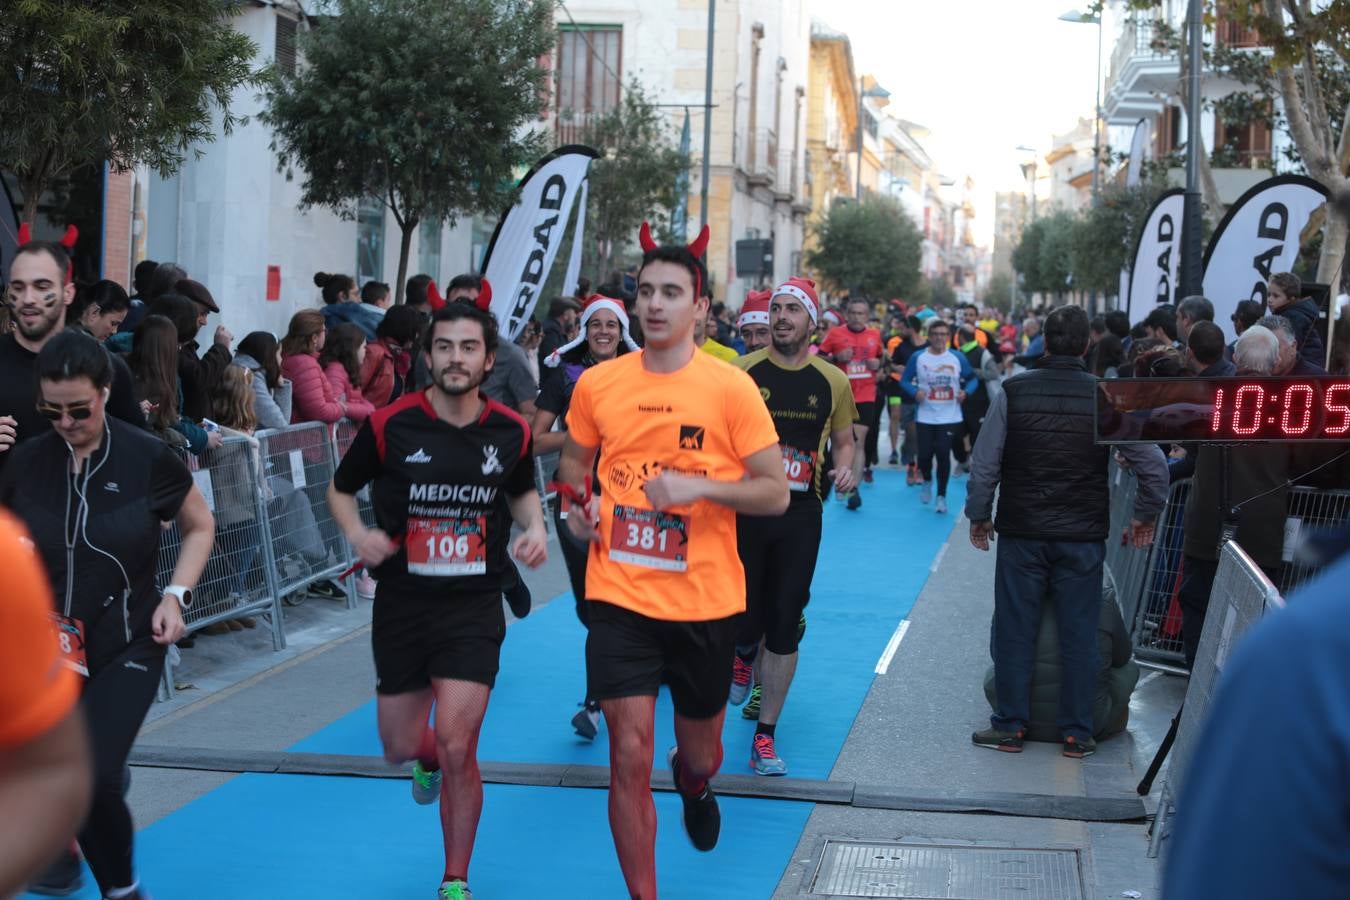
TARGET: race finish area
(329,835)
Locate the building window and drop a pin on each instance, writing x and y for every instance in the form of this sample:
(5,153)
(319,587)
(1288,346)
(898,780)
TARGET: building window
(588,75)
(429,249)
(285,45)
(369,241)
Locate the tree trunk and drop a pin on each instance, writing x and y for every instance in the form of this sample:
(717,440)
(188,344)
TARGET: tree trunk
(1330,268)
(404,245)
(32,186)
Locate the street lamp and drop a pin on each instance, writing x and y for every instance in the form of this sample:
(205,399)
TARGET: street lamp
(1082,18)
(880,92)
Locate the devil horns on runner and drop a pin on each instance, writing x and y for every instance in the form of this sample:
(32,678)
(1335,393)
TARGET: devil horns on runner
(698,247)
(68,240)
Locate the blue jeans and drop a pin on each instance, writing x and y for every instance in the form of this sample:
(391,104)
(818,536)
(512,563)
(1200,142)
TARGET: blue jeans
(1028,573)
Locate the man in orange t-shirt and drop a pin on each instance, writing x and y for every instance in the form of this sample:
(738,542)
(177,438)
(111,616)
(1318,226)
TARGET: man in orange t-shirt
(857,350)
(685,443)
(45,773)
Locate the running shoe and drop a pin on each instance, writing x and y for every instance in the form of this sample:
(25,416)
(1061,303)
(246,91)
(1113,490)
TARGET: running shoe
(994,739)
(702,819)
(926,493)
(742,673)
(586,723)
(365,586)
(854,499)
(867,475)
(893,459)
(911,475)
(1076,749)
(751,709)
(327,590)
(426,786)
(941,505)
(454,890)
(764,759)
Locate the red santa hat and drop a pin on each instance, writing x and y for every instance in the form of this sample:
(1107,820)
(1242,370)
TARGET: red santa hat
(803,289)
(594,303)
(831,317)
(755,310)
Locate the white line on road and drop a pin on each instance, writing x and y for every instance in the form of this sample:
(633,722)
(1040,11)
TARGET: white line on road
(891,646)
(937,560)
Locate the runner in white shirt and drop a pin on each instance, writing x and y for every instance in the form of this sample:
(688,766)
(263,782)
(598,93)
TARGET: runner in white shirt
(938,379)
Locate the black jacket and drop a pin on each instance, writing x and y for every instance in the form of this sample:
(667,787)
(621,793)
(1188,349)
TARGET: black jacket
(1054,484)
(200,376)
(1303,315)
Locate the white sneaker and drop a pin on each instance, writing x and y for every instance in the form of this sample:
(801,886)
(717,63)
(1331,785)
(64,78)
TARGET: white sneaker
(941,505)
(926,493)
(365,586)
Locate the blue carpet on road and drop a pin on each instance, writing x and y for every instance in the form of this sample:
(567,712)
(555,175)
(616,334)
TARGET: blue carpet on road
(873,563)
(271,836)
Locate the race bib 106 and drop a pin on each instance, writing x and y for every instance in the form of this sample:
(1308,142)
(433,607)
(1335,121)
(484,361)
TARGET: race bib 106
(447,547)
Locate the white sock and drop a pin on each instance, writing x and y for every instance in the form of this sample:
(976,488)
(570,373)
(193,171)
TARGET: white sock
(118,893)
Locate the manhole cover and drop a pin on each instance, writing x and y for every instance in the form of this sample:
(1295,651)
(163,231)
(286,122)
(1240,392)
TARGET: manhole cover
(936,872)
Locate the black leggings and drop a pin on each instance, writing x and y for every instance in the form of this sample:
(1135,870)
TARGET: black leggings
(874,432)
(936,439)
(115,702)
(575,554)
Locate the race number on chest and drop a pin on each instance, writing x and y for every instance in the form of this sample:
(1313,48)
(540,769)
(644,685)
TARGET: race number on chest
(649,538)
(447,547)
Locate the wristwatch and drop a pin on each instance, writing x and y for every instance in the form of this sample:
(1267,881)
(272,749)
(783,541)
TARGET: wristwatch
(183,594)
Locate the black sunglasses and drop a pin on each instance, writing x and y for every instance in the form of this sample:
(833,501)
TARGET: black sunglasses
(79,412)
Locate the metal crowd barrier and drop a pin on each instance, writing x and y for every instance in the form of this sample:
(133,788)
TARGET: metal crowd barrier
(1242,594)
(544,467)
(1149,580)
(274,533)
(343,435)
(1310,509)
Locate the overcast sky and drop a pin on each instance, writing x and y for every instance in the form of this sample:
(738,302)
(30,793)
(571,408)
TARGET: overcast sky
(984,75)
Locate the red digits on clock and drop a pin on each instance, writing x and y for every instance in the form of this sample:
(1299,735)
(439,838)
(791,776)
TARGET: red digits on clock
(1215,421)
(1332,407)
(1239,407)
(1307,412)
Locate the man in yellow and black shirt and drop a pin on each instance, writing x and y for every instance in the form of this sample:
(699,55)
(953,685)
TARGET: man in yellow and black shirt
(811,402)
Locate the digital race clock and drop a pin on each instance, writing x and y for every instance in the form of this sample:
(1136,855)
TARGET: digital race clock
(1223,410)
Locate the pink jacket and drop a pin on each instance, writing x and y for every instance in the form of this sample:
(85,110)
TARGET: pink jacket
(312,395)
(358,407)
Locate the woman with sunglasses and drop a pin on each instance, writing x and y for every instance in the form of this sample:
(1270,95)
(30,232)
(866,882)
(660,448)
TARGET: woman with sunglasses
(94,493)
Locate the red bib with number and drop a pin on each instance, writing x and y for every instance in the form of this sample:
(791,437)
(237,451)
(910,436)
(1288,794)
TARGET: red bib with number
(800,468)
(70,640)
(447,547)
(857,368)
(646,537)
(941,394)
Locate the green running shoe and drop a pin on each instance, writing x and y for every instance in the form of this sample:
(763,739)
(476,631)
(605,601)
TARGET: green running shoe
(426,786)
(751,708)
(454,890)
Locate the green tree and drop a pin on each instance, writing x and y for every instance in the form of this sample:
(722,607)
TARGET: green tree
(1000,293)
(134,82)
(1026,258)
(635,177)
(423,104)
(939,291)
(1103,237)
(1055,267)
(870,247)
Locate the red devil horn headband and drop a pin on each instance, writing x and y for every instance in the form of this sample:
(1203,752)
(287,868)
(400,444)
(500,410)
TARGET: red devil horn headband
(697,248)
(25,234)
(68,240)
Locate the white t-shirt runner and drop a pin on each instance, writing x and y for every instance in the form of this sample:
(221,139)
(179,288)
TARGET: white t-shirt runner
(942,376)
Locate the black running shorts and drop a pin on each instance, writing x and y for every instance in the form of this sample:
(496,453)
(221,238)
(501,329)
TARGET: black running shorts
(867,411)
(779,556)
(419,637)
(631,655)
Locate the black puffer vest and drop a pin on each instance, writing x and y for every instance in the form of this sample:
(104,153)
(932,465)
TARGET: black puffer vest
(1054,484)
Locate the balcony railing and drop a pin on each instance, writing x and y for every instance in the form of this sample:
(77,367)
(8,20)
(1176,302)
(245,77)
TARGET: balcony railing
(1139,38)
(761,163)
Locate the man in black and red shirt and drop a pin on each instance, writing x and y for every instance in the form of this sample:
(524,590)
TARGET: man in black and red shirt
(437,461)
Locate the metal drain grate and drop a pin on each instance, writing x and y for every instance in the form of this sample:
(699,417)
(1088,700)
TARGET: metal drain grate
(937,872)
